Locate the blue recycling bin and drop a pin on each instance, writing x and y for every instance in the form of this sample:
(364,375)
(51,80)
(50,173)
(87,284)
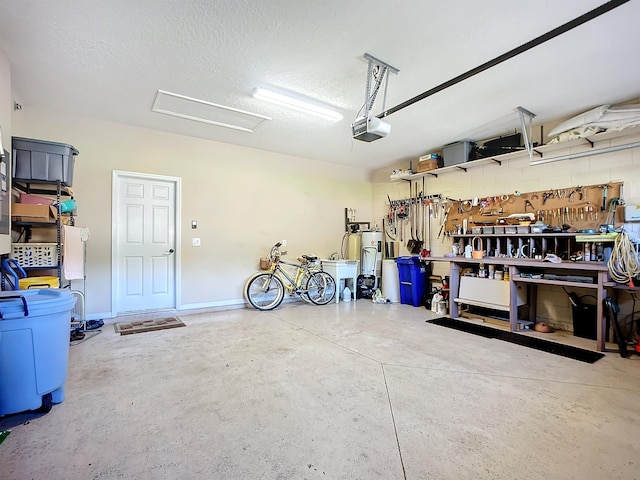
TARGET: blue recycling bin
(34,348)
(413,276)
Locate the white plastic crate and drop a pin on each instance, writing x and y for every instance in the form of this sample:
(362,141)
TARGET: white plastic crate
(35,254)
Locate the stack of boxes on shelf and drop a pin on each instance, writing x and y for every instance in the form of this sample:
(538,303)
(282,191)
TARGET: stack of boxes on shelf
(428,162)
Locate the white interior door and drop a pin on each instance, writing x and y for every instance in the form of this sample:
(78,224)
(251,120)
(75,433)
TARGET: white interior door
(144,242)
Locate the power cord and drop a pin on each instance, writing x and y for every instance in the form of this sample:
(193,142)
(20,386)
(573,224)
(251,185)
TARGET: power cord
(623,264)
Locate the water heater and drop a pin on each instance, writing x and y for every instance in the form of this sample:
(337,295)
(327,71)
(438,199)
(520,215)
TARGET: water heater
(371,257)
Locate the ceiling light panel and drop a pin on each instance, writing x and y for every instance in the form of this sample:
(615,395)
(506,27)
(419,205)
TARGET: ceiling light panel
(202,111)
(296,102)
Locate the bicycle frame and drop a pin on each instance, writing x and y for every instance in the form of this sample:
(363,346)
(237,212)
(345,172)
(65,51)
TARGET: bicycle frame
(289,283)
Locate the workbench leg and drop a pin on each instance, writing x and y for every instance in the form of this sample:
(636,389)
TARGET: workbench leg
(601,323)
(533,302)
(454,286)
(354,288)
(513,299)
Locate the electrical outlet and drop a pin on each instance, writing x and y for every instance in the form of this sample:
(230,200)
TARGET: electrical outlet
(195,242)
(284,243)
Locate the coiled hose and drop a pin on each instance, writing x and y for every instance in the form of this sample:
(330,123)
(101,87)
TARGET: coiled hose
(623,263)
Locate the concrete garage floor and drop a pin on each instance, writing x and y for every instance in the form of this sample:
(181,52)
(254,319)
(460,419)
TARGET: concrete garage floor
(350,391)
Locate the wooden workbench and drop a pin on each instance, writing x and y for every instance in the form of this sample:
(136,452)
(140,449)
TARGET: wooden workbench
(598,271)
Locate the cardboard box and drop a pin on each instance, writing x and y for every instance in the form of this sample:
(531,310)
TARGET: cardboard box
(36,199)
(429,156)
(426,165)
(26,212)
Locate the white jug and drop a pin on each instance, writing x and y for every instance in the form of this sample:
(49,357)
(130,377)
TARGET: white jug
(435,301)
(346,294)
(467,251)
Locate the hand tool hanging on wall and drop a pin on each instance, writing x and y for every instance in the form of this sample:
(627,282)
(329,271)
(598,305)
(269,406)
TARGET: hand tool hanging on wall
(417,246)
(444,221)
(411,241)
(425,218)
(604,198)
(611,214)
(417,212)
(401,214)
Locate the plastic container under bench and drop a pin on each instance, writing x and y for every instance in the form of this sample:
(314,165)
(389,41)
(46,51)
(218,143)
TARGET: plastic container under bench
(34,348)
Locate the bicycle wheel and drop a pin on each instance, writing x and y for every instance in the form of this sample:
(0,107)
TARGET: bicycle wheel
(264,291)
(321,288)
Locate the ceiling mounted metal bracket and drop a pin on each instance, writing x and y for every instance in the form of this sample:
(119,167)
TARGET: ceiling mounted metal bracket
(377,73)
(528,135)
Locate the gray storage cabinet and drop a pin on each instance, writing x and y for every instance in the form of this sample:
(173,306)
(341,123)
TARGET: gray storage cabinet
(42,160)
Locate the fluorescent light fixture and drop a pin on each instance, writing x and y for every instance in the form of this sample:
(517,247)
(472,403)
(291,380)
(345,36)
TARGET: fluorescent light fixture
(296,102)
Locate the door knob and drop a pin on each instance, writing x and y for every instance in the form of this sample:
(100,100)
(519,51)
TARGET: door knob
(171,250)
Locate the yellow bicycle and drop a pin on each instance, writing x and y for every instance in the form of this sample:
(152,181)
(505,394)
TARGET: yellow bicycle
(265,290)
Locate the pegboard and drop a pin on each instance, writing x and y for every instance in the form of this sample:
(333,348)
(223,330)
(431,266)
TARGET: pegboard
(581,207)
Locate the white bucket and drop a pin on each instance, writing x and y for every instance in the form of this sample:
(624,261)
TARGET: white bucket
(390,281)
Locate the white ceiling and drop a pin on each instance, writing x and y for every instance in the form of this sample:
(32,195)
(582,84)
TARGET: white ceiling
(107,59)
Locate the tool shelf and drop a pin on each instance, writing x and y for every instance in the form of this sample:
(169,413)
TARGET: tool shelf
(503,244)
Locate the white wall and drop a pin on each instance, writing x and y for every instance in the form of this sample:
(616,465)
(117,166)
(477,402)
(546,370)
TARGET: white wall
(517,175)
(244,200)
(5,123)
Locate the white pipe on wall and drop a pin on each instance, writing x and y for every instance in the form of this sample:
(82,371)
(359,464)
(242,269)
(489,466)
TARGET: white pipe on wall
(587,153)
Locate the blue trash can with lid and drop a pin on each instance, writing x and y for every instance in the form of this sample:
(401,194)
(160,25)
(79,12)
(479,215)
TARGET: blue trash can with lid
(413,274)
(34,348)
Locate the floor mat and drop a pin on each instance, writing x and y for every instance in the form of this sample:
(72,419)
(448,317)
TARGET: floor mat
(568,351)
(141,326)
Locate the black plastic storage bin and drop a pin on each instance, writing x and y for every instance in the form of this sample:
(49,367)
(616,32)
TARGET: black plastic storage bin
(585,317)
(43,160)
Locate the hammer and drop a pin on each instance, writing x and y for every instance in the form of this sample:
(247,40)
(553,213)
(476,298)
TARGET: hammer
(604,198)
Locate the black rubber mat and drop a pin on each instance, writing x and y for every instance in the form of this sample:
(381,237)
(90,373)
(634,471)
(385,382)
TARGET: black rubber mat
(568,351)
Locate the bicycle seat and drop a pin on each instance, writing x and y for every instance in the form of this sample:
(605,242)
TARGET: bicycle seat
(309,258)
